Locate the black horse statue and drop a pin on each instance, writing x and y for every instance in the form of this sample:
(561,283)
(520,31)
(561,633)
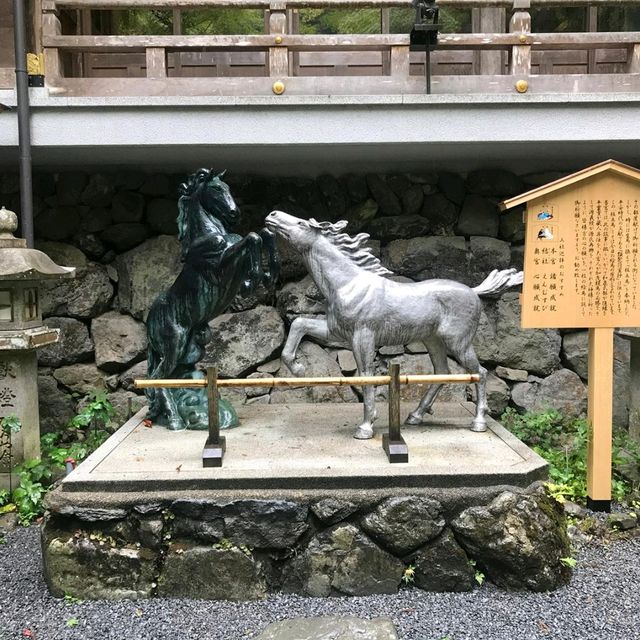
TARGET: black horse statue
(218,265)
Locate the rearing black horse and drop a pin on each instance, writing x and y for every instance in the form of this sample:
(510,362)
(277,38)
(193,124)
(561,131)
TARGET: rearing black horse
(218,265)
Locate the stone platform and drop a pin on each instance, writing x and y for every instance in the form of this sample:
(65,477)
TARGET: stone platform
(300,506)
(310,446)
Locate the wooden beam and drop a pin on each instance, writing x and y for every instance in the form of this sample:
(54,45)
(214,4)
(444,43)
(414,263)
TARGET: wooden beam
(600,415)
(345,42)
(329,381)
(250,4)
(156,62)
(340,85)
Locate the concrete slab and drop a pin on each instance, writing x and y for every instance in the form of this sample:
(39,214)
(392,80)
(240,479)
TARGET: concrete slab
(309,446)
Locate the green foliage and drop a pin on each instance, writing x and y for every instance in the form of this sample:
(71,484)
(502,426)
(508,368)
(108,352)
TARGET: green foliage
(72,622)
(408,575)
(84,433)
(10,424)
(479,577)
(562,442)
(5,496)
(569,562)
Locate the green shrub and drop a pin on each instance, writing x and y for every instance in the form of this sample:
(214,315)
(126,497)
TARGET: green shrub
(562,442)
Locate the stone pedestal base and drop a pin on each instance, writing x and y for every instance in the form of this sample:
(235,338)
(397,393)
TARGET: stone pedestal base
(239,546)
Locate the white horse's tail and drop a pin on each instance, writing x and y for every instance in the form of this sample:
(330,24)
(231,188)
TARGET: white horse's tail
(499,281)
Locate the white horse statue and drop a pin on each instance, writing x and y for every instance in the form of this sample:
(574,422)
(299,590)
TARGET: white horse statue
(366,310)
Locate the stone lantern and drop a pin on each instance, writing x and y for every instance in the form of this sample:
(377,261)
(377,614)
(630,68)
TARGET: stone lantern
(21,333)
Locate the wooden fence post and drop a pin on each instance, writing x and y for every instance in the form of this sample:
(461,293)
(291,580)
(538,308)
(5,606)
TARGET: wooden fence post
(600,414)
(51,27)
(278,55)
(393,442)
(214,448)
(520,63)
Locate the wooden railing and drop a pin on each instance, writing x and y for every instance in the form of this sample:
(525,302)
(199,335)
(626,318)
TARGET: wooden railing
(283,61)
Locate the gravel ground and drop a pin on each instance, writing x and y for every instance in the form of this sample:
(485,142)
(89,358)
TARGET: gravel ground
(602,602)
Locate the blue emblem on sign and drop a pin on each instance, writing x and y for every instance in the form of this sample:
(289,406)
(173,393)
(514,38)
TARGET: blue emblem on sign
(545,215)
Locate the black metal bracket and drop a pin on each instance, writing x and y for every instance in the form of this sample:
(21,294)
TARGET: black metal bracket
(424,35)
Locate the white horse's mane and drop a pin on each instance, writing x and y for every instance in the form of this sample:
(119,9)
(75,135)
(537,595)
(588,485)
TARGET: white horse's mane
(352,247)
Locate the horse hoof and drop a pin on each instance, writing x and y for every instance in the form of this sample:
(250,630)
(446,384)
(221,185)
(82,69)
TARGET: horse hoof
(479,426)
(176,425)
(363,433)
(413,418)
(297,369)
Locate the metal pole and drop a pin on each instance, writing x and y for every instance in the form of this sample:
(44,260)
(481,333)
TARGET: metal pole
(24,129)
(427,64)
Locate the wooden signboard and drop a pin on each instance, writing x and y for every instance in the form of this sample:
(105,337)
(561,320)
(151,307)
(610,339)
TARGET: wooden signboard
(582,270)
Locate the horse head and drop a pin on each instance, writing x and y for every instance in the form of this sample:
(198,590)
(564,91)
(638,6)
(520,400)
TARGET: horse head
(302,234)
(206,193)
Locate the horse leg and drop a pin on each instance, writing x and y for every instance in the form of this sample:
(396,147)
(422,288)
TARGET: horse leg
(166,366)
(469,360)
(438,355)
(269,243)
(363,346)
(300,327)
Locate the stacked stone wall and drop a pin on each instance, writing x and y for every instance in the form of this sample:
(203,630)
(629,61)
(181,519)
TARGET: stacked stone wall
(119,230)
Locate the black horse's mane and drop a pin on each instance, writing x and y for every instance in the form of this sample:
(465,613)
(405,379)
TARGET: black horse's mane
(194,181)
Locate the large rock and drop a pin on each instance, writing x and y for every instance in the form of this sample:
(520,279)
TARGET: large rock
(162,216)
(74,345)
(389,228)
(316,362)
(334,195)
(487,254)
(356,187)
(412,199)
(127,206)
(518,540)
(452,186)
(343,560)
(494,182)
(291,264)
(512,225)
(81,378)
(146,272)
(120,402)
(361,214)
(87,569)
(330,628)
(99,192)
(478,217)
(125,235)
(210,573)
(300,298)
(62,253)
(575,351)
(156,184)
(263,524)
(500,340)
(431,257)
(242,341)
(70,186)
(384,195)
(58,223)
(332,510)
(85,296)
(442,565)
(441,212)
(56,407)
(119,339)
(562,390)
(96,220)
(402,524)
(139,370)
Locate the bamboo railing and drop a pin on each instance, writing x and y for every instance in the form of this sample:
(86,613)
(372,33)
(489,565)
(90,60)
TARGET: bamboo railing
(504,62)
(392,442)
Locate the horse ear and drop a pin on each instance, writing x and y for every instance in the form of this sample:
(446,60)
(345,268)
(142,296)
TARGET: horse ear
(221,174)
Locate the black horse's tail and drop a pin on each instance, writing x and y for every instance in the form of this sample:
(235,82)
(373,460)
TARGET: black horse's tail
(151,392)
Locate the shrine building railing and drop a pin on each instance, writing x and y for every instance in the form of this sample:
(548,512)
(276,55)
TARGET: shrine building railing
(500,55)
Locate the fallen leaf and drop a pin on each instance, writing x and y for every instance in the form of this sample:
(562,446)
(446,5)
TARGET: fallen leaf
(139,613)
(147,423)
(179,467)
(543,627)
(27,633)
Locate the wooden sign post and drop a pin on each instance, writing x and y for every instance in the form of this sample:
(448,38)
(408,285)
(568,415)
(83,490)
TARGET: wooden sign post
(582,270)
